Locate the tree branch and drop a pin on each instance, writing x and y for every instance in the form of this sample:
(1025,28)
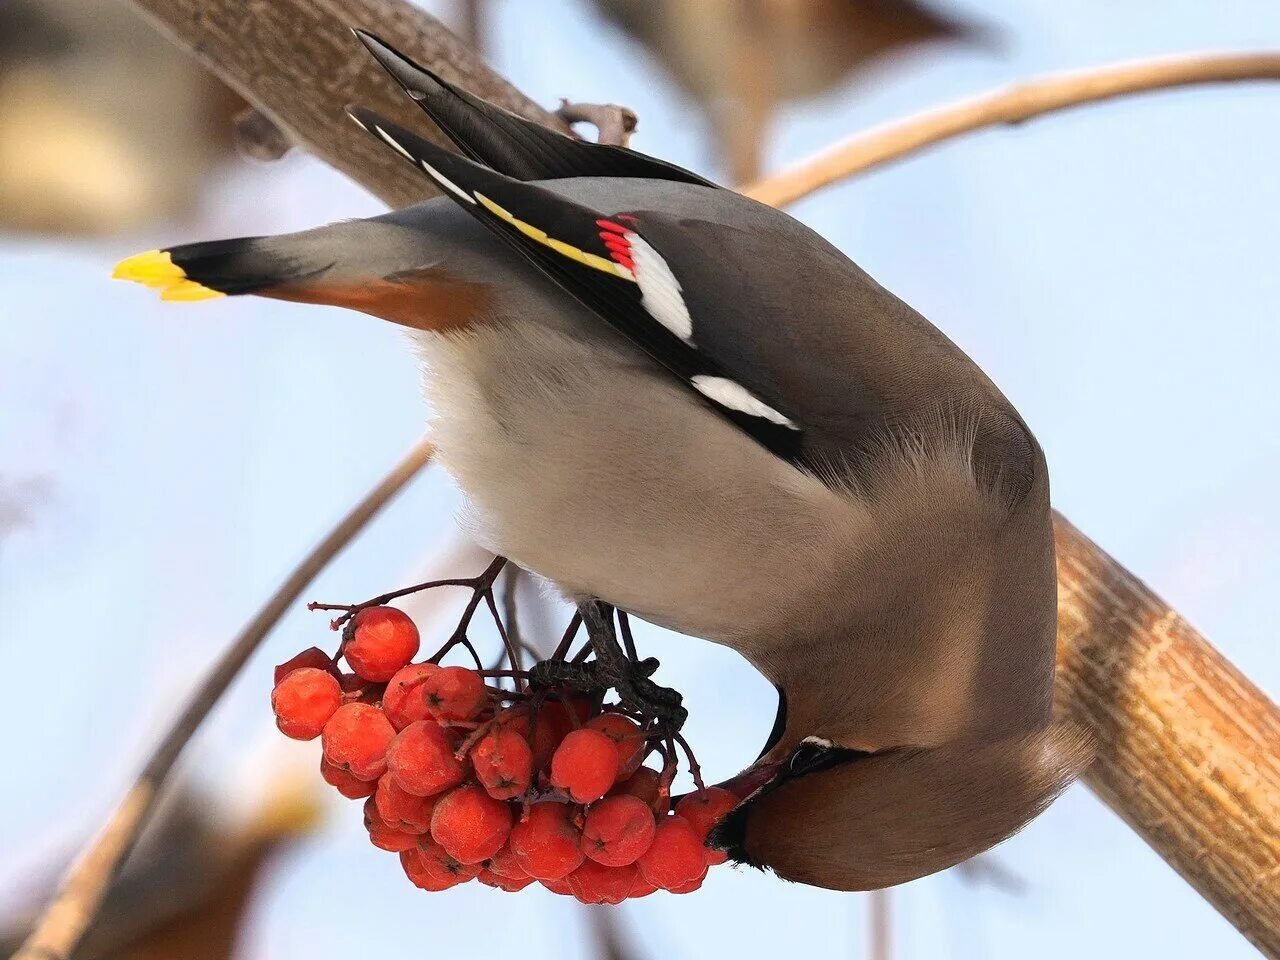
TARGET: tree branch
(1025,101)
(296,61)
(73,909)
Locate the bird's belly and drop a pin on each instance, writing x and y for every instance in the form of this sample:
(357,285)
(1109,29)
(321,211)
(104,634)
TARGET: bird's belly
(586,465)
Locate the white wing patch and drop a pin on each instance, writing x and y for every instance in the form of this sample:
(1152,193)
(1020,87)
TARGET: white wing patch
(660,291)
(445,182)
(735,396)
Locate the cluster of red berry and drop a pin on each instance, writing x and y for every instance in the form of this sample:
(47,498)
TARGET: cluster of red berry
(462,786)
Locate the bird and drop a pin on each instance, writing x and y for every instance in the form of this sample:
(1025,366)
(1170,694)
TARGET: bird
(663,396)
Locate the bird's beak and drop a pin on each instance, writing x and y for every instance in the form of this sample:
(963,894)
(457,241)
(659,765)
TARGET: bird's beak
(752,779)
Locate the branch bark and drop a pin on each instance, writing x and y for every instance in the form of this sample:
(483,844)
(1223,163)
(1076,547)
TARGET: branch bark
(65,921)
(1189,744)
(296,61)
(1025,101)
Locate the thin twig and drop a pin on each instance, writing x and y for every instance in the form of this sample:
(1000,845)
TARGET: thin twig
(76,904)
(1035,98)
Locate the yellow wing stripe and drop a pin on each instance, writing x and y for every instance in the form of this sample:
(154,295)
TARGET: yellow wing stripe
(156,269)
(592,260)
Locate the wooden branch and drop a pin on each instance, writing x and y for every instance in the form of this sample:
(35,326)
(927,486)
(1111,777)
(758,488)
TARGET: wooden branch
(1190,749)
(297,62)
(73,909)
(1024,101)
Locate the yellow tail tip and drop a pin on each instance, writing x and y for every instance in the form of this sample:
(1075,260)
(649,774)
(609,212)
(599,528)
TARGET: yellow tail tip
(156,269)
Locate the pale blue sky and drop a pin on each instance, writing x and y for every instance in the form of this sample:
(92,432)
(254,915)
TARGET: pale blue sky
(1113,269)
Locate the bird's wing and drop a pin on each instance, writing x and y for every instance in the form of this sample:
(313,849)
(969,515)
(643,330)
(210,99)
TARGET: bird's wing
(508,143)
(606,263)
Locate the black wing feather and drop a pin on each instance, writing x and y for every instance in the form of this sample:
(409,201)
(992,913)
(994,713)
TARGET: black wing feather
(616,300)
(508,143)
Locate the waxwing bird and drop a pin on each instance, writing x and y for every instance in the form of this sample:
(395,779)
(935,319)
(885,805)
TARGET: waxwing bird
(658,393)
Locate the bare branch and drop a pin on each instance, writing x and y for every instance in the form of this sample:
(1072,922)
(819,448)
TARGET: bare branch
(76,904)
(614,124)
(1016,104)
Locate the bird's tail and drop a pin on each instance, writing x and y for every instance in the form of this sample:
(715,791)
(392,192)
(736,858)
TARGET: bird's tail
(216,268)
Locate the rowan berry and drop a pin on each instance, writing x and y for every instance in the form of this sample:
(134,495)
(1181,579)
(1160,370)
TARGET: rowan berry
(400,809)
(505,864)
(641,887)
(585,765)
(546,843)
(454,693)
(503,763)
(645,783)
(510,885)
(353,788)
(593,882)
(560,886)
(404,700)
(379,642)
(704,809)
(470,824)
(434,869)
(310,657)
(382,834)
(617,830)
(628,737)
(691,886)
(421,759)
(676,857)
(356,739)
(303,702)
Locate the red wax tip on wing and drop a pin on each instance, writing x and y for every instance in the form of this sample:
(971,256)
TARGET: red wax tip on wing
(610,226)
(356,739)
(303,702)
(383,640)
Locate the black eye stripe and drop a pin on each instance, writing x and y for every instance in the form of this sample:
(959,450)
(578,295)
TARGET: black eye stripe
(811,757)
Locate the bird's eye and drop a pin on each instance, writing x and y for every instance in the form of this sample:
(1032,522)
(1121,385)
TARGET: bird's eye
(807,756)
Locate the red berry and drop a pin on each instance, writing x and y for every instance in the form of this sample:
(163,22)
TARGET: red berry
(560,886)
(404,700)
(384,836)
(454,693)
(617,830)
(645,783)
(310,657)
(585,765)
(353,788)
(382,640)
(356,739)
(421,759)
(491,879)
(430,867)
(628,737)
(595,883)
(704,809)
(402,810)
(689,887)
(304,701)
(676,857)
(470,824)
(503,763)
(546,843)
(641,887)
(505,864)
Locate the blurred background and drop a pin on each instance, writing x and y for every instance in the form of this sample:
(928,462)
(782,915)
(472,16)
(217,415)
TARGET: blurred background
(162,467)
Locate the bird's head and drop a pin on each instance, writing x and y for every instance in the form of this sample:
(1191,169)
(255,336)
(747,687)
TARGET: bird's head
(849,819)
